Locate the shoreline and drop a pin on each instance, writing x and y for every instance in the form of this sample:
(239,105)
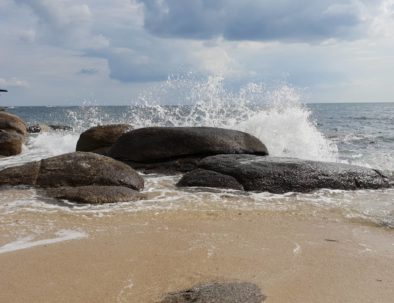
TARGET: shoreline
(139,257)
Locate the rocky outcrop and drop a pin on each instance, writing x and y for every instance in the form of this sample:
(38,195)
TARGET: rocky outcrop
(12,134)
(94,194)
(280,175)
(217,293)
(41,128)
(100,138)
(155,146)
(78,176)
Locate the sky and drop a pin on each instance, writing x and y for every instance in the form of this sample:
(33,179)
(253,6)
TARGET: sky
(66,52)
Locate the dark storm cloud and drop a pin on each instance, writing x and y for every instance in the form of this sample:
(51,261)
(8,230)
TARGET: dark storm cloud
(303,20)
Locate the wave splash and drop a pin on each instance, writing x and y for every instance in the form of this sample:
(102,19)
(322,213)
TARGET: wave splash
(277,117)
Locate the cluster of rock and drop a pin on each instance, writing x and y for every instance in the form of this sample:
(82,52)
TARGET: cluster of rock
(223,158)
(103,168)
(12,134)
(41,128)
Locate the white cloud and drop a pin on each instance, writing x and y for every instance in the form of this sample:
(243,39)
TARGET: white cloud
(13,82)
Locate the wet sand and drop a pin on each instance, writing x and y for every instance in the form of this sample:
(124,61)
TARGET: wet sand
(139,257)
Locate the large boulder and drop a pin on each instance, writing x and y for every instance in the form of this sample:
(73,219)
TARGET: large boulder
(280,175)
(12,134)
(235,292)
(94,194)
(166,144)
(73,169)
(10,122)
(99,139)
(10,143)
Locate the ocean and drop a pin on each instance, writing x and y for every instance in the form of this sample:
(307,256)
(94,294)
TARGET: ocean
(360,134)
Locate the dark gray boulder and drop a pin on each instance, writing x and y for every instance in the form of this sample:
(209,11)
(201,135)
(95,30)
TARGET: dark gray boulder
(10,143)
(165,144)
(73,169)
(217,293)
(280,175)
(99,139)
(94,194)
(199,177)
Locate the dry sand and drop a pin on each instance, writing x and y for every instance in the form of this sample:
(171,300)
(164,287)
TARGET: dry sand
(139,257)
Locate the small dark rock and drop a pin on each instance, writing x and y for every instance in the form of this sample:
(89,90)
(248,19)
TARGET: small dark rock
(59,127)
(217,293)
(38,128)
(94,194)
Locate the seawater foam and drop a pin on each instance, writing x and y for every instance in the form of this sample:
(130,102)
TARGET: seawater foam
(276,117)
(27,242)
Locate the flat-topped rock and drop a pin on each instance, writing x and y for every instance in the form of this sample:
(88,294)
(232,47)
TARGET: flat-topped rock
(73,169)
(42,128)
(99,139)
(165,144)
(280,175)
(235,292)
(94,194)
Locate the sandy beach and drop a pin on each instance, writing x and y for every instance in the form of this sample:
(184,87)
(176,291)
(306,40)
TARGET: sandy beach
(139,257)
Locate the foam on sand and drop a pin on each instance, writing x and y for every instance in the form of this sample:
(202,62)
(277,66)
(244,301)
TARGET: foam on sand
(27,242)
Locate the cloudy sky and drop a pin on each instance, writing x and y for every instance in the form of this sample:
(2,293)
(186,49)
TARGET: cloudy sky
(62,52)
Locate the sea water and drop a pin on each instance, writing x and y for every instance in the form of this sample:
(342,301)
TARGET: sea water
(360,134)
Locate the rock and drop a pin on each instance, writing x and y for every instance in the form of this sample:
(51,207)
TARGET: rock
(217,293)
(41,127)
(162,144)
(280,175)
(94,194)
(58,127)
(20,175)
(10,122)
(10,143)
(74,169)
(199,177)
(100,138)
(38,128)
(167,167)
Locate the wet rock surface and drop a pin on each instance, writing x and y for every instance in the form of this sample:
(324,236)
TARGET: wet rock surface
(199,177)
(12,134)
(41,128)
(10,143)
(73,169)
(280,175)
(94,194)
(165,144)
(10,122)
(217,293)
(100,138)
